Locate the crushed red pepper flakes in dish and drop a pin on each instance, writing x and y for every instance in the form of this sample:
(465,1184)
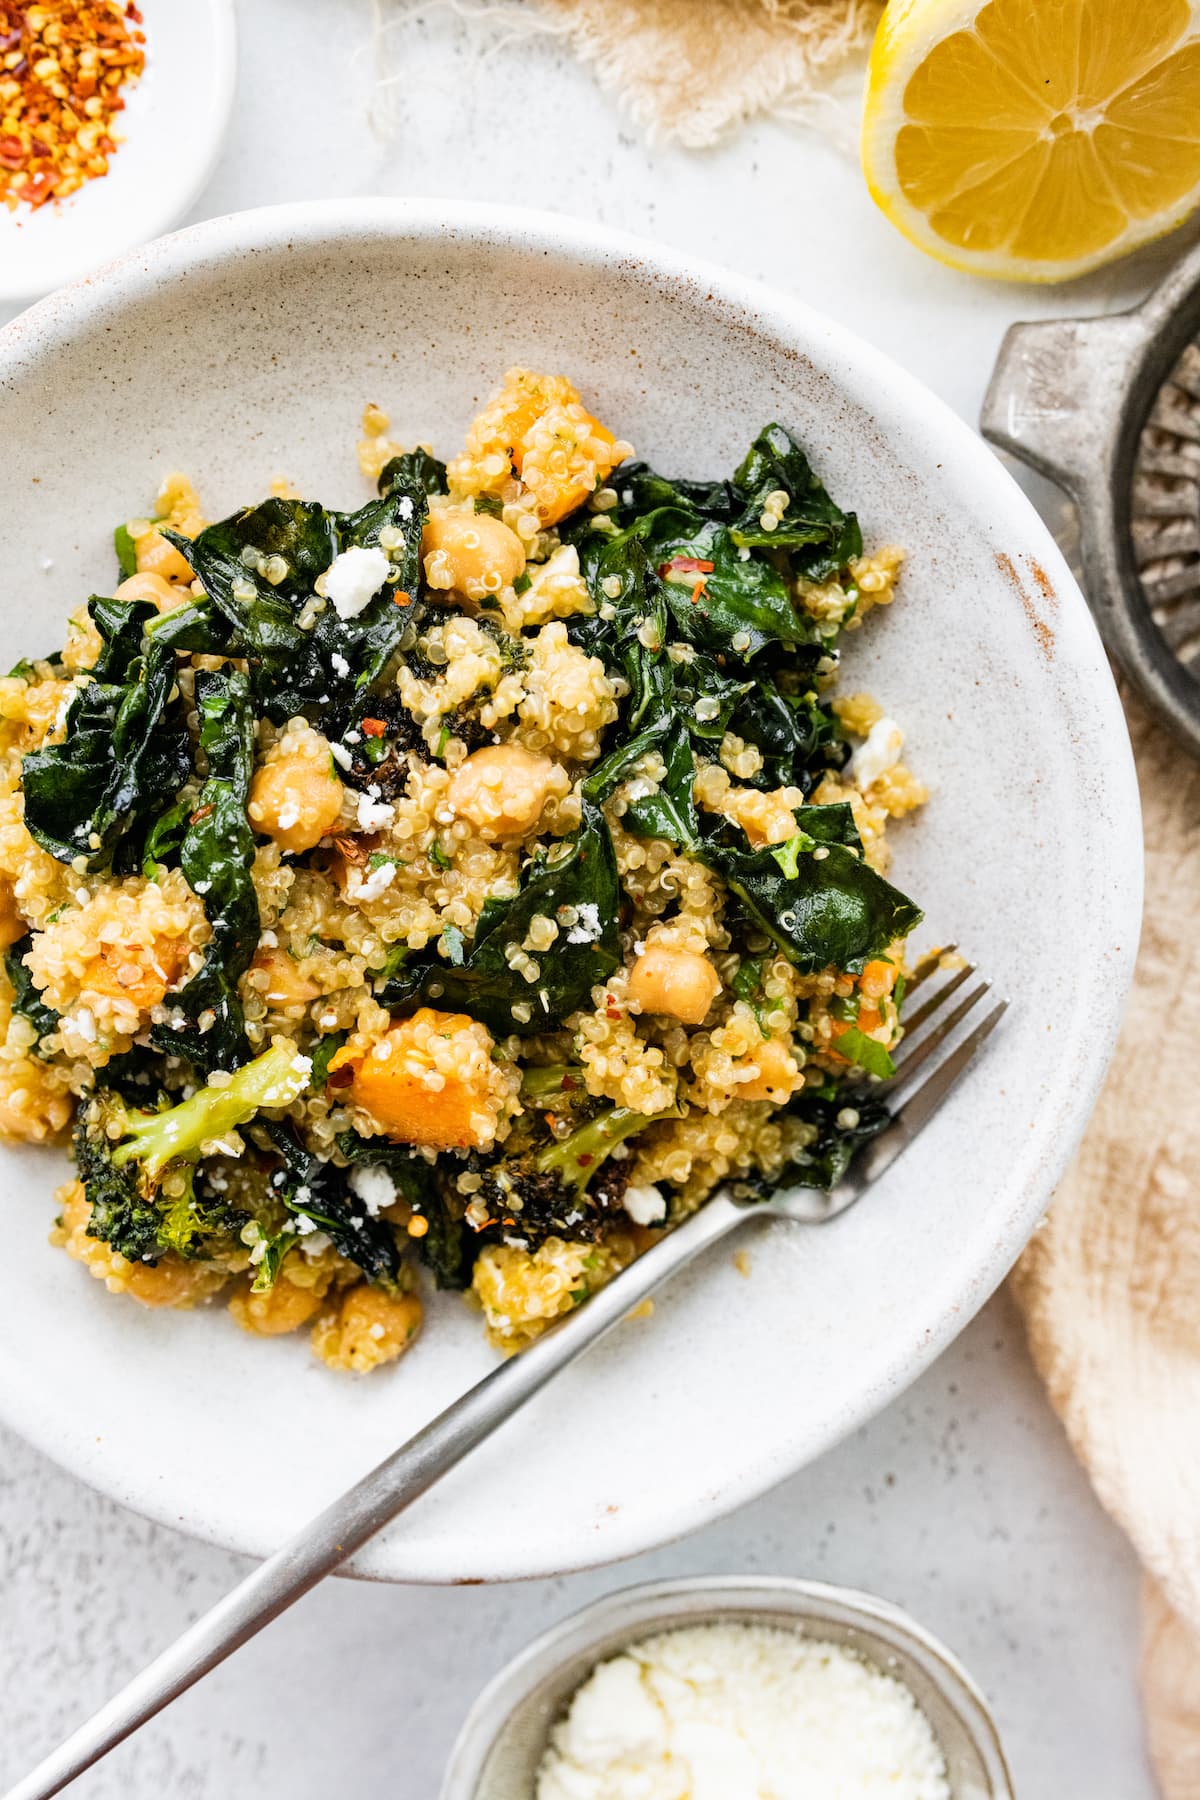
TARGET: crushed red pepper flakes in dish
(62,68)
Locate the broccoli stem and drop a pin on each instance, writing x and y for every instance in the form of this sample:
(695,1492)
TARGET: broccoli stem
(576,1159)
(274,1079)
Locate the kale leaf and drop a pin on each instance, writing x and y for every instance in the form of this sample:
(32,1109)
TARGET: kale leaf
(820,536)
(577,878)
(215,853)
(415,469)
(125,753)
(449,1247)
(823,1162)
(815,896)
(259,570)
(316,1190)
(797,737)
(27,999)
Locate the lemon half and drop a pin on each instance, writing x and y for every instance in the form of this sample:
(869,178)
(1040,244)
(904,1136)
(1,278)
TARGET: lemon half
(1034,139)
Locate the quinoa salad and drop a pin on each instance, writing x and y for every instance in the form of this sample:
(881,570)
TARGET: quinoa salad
(451,892)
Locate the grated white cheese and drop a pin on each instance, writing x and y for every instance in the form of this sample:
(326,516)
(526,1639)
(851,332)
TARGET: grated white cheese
(742,1712)
(373,1186)
(353,579)
(878,752)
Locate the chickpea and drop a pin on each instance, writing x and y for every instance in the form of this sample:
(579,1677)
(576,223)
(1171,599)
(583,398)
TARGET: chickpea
(282,1308)
(471,552)
(501,790)
(285,985)
(295,797)
(681,983)
(155,556)
(169,1282)
(155,588)
(778,1074)
(370,1327)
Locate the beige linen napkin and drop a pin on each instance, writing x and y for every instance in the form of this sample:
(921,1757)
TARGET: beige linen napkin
(1110,1284)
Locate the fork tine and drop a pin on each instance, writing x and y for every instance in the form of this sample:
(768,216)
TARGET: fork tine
(907,1059)
(916,1112)
(928,965)
(913,1021)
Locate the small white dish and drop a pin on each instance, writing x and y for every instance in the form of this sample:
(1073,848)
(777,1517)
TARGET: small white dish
(173,125)
(505,1733)
(258,339)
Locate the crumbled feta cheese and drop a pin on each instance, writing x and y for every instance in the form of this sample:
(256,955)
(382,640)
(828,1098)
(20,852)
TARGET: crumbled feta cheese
(304,1225)
(316,1244)
(373,1186)
(587,927)
(289,815)
(339,665)
(341,756)
(879,752)
(373,814)
(353,579)
(369,887)
(84,1021)
(645,1205)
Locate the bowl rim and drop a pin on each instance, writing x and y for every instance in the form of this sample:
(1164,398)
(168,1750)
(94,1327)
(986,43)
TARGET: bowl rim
(154,221)
(498,1699)
(248,237)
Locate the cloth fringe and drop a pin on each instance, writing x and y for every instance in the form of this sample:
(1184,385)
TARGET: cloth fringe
(688,71)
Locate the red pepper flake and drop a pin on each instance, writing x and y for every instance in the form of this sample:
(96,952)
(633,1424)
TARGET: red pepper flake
(201,812)
(374,727)
(685,565)
(698,590)
(400,598)
(90,50)
(584,1158)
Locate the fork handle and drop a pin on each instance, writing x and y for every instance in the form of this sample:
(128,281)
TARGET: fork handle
(335,1534)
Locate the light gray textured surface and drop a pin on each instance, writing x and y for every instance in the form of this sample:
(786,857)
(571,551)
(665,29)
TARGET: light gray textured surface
(962,1501)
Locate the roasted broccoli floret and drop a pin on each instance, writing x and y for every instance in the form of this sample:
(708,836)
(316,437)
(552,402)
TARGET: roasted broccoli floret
(569,1187)
(138,1167)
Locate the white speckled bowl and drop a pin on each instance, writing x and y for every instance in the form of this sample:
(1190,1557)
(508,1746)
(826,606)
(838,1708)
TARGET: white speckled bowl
(244,349)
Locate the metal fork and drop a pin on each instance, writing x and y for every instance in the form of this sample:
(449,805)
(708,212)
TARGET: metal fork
(941,1037)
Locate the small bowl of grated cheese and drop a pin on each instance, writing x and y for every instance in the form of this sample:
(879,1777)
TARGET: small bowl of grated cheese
(732,1689)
